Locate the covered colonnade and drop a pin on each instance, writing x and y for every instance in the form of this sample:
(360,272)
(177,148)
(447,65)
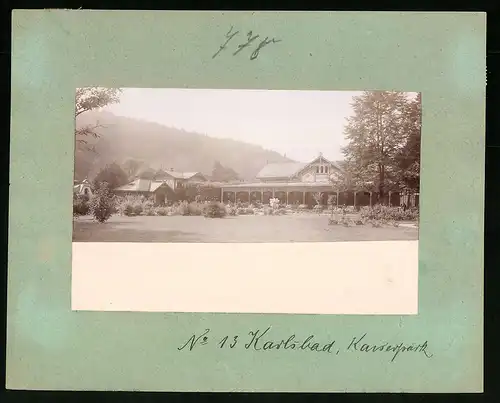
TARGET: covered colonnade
(300,193)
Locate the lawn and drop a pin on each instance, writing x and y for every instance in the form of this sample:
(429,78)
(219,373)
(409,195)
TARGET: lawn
(251,228)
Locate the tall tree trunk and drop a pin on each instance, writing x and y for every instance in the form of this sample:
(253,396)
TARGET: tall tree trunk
(381,184)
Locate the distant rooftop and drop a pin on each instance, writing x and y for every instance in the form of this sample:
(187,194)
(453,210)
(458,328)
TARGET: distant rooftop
(280,170)
(289,169)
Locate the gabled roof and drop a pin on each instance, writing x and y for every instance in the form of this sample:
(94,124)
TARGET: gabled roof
(323,160)
(141,185)
(81,186)
(155,185)
(289,169)
(280,170)
(177,174)
(133,186)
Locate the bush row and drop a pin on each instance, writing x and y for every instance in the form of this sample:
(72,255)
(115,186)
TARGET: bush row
(348,222)
(386,213)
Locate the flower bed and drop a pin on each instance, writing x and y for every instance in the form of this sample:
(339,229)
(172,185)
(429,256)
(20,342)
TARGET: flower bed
(386,213)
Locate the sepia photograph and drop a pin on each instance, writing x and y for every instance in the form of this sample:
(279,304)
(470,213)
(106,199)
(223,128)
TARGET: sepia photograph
(196,200)
(249,166)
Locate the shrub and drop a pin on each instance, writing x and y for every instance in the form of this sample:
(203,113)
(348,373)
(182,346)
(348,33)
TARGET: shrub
(127,205)
(332,221)
(281,211)
(137,208)
(274,203)
(101,203)
(268,211)
(162,211)
(194,208)
(149,211)
(128,210)
(379,212)
(80,205)
(183,208)
(302,207)
(214,210)
(231,210)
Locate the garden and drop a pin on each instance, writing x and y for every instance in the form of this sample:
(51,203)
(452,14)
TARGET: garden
(103,205)
(138,219)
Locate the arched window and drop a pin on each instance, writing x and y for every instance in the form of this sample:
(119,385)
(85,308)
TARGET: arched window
(317,169)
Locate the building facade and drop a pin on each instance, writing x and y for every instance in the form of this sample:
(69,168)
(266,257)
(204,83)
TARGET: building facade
(162,185)
(291,182)
(308,184)
(82,188)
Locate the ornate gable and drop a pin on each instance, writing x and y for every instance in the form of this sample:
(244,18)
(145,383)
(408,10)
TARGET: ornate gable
(319,170)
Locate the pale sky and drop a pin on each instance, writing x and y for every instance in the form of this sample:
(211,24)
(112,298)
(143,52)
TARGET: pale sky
(300,124)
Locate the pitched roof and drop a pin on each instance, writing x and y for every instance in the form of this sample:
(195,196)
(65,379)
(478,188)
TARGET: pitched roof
(155,186)
(176,174)
(131,187)
(141,185)
(263,185)
(280,170)
(322,159)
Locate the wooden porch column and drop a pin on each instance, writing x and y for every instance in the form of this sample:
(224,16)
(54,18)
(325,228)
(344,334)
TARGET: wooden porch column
(390,198)
(261,196)
(355,199)
(337,198)
(287,198)
(273,193)
(249,196)
(303,197)
(370,199)
(222,195)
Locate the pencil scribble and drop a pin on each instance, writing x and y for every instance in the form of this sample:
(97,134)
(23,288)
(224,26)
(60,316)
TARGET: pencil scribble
(229,36)
(250,39)
(265,42)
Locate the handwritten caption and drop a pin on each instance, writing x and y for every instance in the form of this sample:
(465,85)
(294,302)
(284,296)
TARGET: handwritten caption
(262,340)
(250,39)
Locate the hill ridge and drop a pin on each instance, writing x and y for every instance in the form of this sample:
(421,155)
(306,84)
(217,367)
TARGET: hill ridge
(159,145)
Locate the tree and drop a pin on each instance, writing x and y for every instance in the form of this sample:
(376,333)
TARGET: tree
(318,198)
(102,203)
(376,136)
(132,167)
(90,98)
(409,156)
(112,174)
(223,174)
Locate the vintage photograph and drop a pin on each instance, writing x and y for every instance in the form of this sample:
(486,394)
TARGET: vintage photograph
(249,166)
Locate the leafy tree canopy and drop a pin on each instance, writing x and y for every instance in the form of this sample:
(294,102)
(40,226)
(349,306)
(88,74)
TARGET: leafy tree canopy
(113,175)
(383,150)
(223,174)
(90,98)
